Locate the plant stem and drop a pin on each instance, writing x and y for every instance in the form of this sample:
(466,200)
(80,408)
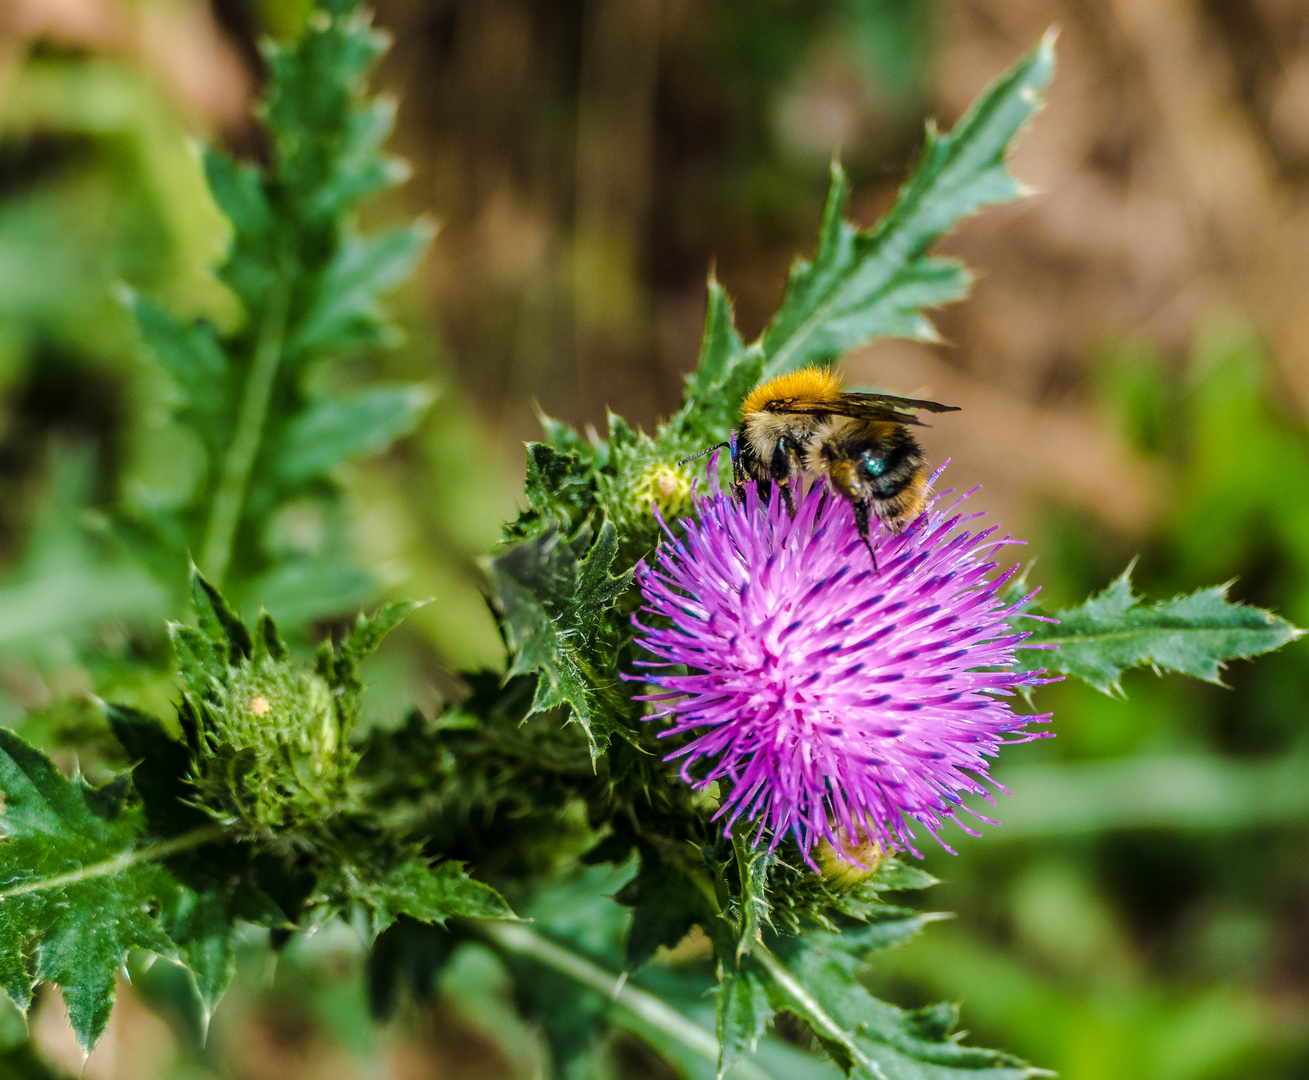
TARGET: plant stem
(188,841)
(812,1011)
(520,939)
(229,499)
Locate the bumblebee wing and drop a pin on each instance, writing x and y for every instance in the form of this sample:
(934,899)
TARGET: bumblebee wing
(862,407)
(902,403)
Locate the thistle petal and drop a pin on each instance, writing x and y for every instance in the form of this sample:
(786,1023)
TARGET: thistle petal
(827,701)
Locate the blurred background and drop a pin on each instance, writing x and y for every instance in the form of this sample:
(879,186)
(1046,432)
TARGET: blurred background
(1133,366)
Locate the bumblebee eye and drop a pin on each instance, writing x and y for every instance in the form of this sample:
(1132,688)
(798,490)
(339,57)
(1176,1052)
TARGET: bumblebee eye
(873,465)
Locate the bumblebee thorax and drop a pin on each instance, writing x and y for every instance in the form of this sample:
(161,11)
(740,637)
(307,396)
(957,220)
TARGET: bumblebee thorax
(807,384)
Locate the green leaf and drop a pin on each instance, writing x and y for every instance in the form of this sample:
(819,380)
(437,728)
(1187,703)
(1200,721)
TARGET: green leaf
(409,887)
(560,491)
(191,355)
(1117,630)
(343,311)
(744,1013)
(81,886)
(748,997)
(552,609)
(311,286)
(326,149)
(752,865)
(333,430)
(408,953)
(367,635)
(161,767)
(884,929)
(669,895)
(339,666)
(727,371)
(817,980)
(202,925)
(864,285)
(239,191)
(219,622)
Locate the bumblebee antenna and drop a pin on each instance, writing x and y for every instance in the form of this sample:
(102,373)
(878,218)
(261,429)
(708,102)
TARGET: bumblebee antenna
(702,453)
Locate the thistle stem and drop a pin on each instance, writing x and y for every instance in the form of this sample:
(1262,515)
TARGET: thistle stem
(523,941)
(229,499)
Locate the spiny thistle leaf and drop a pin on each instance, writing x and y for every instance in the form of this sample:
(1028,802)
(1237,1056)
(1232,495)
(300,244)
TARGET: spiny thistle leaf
(747,998)
(816,979)
(408,954)
(668,895)
(410,886)
(744,1013)
(1117,630)
(865,285)
(554,612)
(311,287)
(560,491)
(81,887)
(727,371)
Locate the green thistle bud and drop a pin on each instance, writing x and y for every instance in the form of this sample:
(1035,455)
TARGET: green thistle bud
(849,867)
(272,757)
(665,486)
(268,738)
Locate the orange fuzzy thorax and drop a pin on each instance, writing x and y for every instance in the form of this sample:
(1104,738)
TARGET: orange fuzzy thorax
(807,384)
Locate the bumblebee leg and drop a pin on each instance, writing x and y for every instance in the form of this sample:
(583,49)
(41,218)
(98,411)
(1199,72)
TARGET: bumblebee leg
(787,497)
(861,523)
(739,477)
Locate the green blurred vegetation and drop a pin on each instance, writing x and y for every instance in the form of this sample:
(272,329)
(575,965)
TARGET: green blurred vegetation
(1145,911)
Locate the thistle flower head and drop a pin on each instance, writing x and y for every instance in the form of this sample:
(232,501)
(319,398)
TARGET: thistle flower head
(827,701)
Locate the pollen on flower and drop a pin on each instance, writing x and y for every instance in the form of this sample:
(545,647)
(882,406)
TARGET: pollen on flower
(831,703)
(259,705)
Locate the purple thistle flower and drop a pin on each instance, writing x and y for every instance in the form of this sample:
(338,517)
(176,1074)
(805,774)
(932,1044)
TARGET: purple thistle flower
(829,702)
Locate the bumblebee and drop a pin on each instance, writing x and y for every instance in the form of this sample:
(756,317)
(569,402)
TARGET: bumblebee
(803,423)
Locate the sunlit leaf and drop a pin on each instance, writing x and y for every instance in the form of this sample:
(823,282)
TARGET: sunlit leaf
(865,285)
(1117,630)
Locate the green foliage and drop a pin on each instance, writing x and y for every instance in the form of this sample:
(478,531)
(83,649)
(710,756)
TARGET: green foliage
(274,431)
(816,979)
(865,285)
(554,607)
(81,886)
(1192,635)
(263,782)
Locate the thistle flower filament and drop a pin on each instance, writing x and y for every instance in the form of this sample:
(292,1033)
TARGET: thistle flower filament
(826,701)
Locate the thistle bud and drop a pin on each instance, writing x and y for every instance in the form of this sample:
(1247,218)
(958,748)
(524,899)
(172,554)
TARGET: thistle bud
(272,757)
